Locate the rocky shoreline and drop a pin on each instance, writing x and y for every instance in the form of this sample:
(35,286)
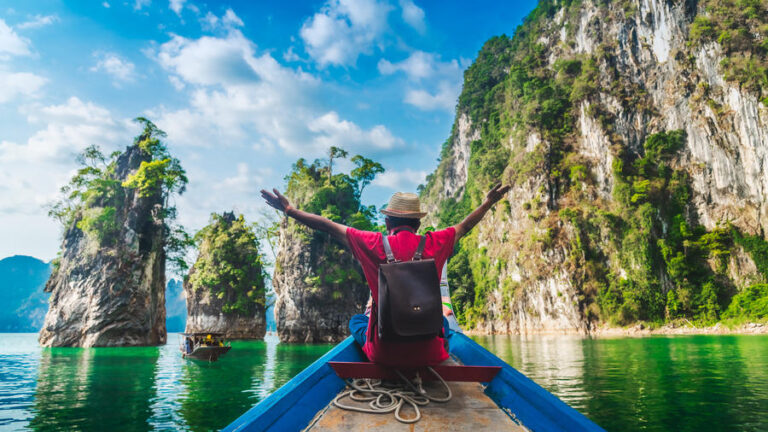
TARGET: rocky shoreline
(640,330)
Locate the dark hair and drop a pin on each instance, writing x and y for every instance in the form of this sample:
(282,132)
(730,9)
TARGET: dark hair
(394,221)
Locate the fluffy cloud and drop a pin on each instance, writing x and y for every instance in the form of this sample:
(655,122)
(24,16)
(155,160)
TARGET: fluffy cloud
(68,129)
(421,65)
(121,71)
(435,85)
(177,6)
(331,130)
(11,44)
(17,84)
(228,21)
(240,97)
(405,180)
(32,172)
(413,15)
(38,21)
(139,4)
(443,99)
(343,30)
(211,60)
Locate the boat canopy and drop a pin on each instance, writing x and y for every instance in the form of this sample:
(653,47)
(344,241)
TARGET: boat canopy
(203,334)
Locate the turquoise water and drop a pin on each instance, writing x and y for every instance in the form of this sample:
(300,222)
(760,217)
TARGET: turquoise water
(681,383)
(138,389)
(659,383)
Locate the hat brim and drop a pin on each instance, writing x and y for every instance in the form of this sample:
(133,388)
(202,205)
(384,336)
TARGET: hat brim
(404,215)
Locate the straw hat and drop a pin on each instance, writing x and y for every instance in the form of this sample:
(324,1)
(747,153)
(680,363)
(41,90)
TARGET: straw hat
(404,205)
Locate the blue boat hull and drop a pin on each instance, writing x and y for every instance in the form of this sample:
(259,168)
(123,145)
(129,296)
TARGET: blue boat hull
(293,406)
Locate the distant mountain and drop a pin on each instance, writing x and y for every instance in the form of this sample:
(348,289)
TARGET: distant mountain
(22,279)
(175,307)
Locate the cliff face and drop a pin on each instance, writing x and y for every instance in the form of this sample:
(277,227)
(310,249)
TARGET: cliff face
(318,284)
(112,295)
(225,288)
(635,139)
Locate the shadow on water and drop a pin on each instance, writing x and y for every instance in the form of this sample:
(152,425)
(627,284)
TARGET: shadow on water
(94,389)
(680,383)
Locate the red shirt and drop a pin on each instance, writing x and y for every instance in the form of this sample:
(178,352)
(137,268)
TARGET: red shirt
(367,248)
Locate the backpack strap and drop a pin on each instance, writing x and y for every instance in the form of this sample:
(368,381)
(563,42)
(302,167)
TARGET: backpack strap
(388,249)
(420,249)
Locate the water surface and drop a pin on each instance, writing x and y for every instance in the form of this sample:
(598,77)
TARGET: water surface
(138,389)
(658,383)
(677,383)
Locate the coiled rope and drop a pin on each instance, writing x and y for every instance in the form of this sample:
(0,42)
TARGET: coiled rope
(385,397)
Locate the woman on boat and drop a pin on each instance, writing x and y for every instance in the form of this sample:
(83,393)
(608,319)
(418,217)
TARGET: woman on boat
(403,219)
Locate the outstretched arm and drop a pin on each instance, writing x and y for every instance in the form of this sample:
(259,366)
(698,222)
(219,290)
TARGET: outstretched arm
(280,202)
(494,195)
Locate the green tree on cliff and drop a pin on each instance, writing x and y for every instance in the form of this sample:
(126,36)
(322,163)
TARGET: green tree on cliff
(230,264)
(95,198)
(313,188)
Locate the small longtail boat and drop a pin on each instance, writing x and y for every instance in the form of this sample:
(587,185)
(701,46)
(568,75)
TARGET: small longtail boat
(203,346)
(509,401)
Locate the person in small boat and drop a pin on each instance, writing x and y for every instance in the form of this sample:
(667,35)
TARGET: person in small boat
(402,218)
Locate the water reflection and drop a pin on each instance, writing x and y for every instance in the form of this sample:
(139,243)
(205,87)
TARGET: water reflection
(94,389)
(216,394)
(694,383)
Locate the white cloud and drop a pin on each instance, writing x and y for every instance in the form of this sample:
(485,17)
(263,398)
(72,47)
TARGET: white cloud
(15,84)
(290,55)
(141,3)
(421,65)
(210,60)
(331,130)
(105,4)
(32,172)
(11,44)
(228,21)
(343,30)
(239,97)
(244,181)
(439,83)
(177,6)
(69,128)
(121,71)
(443,99)
(405,180)
(38,21)
(413,15)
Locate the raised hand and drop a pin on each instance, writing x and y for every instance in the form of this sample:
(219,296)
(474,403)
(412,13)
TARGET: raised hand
(497,192)
(276,200)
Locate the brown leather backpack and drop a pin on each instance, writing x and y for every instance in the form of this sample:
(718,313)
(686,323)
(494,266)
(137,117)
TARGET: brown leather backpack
(409,306)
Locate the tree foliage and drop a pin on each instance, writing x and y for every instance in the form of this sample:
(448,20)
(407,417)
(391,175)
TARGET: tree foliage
(96,199)
(338,198)
(230,264)
(364,173)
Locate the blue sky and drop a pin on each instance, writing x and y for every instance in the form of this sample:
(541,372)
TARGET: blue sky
(243,89)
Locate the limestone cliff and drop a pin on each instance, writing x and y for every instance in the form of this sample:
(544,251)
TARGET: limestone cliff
(635,139)
(225,289)
(111,295)
(317,282)
(108,283)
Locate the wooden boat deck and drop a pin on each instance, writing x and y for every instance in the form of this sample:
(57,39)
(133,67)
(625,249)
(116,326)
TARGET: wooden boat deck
(468,410)
(304,402)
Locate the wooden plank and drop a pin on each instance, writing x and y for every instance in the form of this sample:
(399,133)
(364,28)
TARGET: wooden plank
(535,407)
(469,410)
(295,404)
(447,372)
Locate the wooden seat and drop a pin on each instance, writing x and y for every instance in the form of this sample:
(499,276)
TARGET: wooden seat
(447,372)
